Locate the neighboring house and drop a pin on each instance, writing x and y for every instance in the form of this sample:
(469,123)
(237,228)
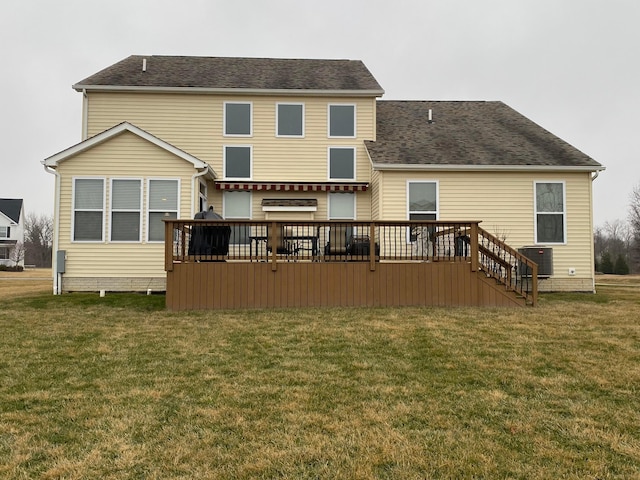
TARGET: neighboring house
(11,231)
(278,139)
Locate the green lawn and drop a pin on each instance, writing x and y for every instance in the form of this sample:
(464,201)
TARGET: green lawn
(118,388)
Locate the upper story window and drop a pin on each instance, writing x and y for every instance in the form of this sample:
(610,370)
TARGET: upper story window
(342,121)
(88,209)
(550,214)
(342,165)
(126,219)
(237,119)
(5,232)
(163,204)
(237,161)
(290,120)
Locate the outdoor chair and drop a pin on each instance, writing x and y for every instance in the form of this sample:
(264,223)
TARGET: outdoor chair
(283,246)
(340,239)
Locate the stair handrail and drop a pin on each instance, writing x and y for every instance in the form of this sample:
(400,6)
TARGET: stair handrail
(508,266)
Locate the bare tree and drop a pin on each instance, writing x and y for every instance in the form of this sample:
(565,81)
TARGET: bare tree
(38,238)
(17,253)
(634,223)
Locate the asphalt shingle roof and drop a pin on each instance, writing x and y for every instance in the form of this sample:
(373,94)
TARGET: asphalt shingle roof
(11,207)
(235,73)
(466,133)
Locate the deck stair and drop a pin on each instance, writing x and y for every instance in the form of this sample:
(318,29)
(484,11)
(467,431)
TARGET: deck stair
(508,267)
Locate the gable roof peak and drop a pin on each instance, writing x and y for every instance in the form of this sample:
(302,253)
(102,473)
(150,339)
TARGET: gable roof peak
(11,208)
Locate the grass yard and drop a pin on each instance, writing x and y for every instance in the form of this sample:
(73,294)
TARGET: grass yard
(119,388)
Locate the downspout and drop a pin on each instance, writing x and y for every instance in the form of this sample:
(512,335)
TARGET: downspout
(593,273)
(85,114)
(57,277)
(193,189)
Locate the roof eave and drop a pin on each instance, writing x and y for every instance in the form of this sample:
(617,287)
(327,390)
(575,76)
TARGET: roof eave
(106,135)
(490,168)
(233,91)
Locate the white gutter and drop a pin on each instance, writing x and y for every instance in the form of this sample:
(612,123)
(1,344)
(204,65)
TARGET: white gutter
(233,91)
(486,168)
(57,277)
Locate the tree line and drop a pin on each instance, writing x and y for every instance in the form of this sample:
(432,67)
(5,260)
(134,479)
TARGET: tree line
(36,249)
(617,243)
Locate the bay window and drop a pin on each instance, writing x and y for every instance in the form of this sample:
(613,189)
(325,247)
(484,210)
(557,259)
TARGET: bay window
(162,204)
(88,209)
(126,199)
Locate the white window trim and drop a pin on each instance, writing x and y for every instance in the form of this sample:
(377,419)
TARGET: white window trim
(8,231)
(224,121)
(337,147)
(224,162)
(203,196)
(73,209)
(148,210)
(355,120)
(408,203)
(277,119)
(111,209)
(224,206)
(564,212)
(437,211)
(355,205)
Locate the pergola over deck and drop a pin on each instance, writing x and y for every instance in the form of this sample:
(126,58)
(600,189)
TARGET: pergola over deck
(272,264)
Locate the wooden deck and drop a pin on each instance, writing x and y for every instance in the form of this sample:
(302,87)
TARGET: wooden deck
(315,279)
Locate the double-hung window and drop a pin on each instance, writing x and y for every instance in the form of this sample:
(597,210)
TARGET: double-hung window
(237,119)
(162,204)
(550,214)
(342,165)
(290,120)
(5,232)
(342,121)
(422,201)
(88,209)
(126,218)
(237,205)
(237,161)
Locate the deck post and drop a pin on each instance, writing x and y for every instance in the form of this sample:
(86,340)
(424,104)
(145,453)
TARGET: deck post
(273,241)
(168,246)
(534,285)
(474,247)
(372,247)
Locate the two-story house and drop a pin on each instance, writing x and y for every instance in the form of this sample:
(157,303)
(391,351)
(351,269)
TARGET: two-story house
(277,139)
(11,231)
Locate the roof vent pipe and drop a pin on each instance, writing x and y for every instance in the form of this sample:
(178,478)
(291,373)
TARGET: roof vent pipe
(144,64)
(430,118)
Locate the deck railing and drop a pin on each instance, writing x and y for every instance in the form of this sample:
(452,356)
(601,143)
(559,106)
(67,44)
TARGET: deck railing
(508,266)
(353,241)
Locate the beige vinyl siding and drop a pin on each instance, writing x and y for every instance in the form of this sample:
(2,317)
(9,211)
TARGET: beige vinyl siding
(504,203)
(194,123)
(125,156)
(375,189)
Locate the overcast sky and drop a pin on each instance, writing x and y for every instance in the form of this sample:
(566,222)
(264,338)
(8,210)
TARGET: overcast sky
(569,65)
